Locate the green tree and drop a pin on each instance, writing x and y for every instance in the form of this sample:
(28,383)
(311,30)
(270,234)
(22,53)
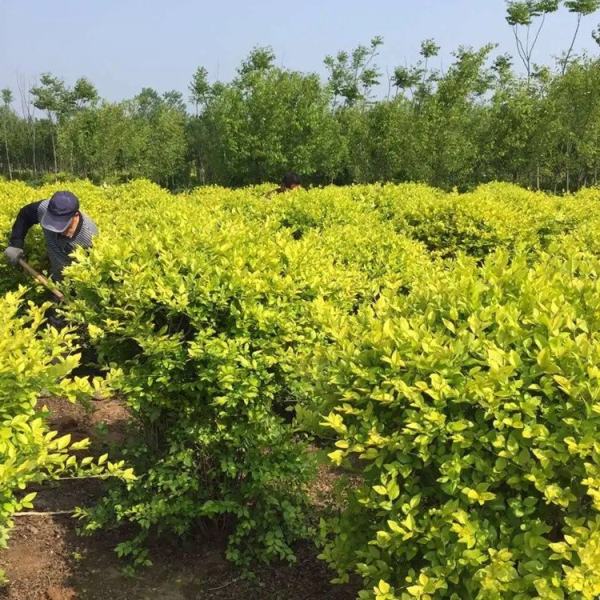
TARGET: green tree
(454,119)
(522,14)
(83,94)
(573,117)
(429,49)
(418,78)
(510,135)
(60,101)
(51,96)
(147,103)
(166,147)
(100,139)
(405,78)
(268,120)
(199,88)
(260,60)
(503,68)
(352,76)
(174,99)
(390,148)
(158,139)
(581,8)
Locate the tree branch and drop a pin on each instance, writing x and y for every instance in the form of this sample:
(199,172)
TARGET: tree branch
(48,513)
(566,61)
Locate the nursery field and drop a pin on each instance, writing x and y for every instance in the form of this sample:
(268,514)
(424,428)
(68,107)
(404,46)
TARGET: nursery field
(405,380)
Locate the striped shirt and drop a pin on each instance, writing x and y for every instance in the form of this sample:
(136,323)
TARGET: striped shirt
(59,247)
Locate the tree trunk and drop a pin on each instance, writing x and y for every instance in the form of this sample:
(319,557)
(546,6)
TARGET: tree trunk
(568,55)
(6,148)
(54,152)
(34,152)
(52,138)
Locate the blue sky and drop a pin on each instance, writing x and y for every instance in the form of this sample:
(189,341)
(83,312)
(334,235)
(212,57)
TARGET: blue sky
(124,45)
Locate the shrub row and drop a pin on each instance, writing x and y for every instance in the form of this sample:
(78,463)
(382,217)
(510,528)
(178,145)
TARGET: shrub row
(445,345)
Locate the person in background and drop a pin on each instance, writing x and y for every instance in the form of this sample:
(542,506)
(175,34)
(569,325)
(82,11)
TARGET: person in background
(65,227)
(290,181)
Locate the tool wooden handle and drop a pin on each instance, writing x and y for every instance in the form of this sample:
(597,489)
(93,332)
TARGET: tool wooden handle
(41,279)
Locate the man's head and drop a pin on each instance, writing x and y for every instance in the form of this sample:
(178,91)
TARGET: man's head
(290,181)
(63,210)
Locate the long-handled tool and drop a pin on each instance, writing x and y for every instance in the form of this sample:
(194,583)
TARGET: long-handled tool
(89,357)
(41,279)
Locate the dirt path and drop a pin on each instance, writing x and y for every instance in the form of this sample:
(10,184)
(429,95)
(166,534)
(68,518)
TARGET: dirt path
(46,560)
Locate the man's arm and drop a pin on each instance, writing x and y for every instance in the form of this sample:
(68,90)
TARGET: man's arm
(271,193)
(27,217)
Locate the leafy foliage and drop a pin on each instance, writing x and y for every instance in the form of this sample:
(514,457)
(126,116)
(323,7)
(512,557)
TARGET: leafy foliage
(36,358)
(442,346)
(469,406)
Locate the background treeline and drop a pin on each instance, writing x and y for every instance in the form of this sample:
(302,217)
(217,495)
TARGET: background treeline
(478,120)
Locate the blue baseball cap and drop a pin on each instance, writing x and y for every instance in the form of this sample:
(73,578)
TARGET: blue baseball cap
(61,209)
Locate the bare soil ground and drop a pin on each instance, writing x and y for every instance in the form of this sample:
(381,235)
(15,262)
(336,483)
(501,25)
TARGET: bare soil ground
(47,560)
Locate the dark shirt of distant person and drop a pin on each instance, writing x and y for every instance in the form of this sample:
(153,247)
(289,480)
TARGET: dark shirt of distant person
(290,181)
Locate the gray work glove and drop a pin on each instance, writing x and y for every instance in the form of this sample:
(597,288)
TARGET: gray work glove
(13,255)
